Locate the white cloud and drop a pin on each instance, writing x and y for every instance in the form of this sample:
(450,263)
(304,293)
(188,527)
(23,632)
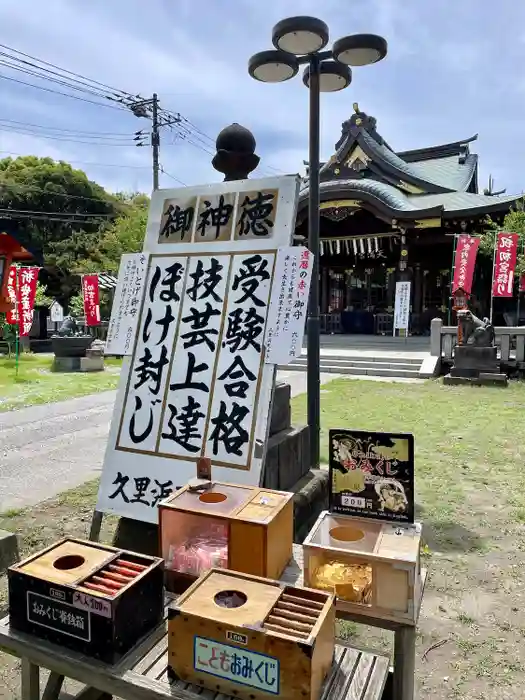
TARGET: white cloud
(446,77)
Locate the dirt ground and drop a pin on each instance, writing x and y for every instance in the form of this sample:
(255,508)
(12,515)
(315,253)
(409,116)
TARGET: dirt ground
(471,500)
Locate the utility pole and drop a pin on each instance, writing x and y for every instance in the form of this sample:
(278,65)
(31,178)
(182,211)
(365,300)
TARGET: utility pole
(149,109)
(155,139)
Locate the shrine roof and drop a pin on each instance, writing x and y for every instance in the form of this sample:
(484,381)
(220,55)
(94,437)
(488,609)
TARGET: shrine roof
(362,152)
(396,203)
(9,227)
(435,181)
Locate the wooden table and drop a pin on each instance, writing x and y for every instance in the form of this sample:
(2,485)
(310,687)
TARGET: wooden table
(404,635)
(142,674)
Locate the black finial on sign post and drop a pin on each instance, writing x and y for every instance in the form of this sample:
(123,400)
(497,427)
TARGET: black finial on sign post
(235,155)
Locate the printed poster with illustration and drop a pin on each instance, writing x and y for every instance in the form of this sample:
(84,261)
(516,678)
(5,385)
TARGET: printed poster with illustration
(372,475)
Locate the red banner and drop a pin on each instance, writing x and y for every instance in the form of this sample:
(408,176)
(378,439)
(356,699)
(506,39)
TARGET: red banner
(12,315)
(21,288)
(464,262)
(90,292)
(505,253)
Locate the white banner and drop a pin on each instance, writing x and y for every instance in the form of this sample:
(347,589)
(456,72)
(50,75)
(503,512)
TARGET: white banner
(289,305)
(126,304)
(402,306)
(196,383)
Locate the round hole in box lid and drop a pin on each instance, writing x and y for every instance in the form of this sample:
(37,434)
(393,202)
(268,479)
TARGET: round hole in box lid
(230,599)
(212,497)
(346,534)
(69,561)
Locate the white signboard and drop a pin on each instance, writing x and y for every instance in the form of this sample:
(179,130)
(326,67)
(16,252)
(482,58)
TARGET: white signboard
(56,313)
(126,304)
(196,383)
(402,306)
(289,305)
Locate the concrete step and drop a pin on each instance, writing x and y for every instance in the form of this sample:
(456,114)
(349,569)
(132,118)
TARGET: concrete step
(369,370)
(383,362)
(369,359)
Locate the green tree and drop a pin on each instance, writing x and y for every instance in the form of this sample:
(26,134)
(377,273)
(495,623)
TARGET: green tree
(41,297)
(101,251)
(43,192)
(514,222)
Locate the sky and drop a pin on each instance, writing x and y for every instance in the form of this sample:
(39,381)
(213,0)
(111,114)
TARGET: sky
(453,69)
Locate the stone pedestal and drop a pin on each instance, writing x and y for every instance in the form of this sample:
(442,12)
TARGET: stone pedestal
(66,364)
(287,452)
(94,359)
(476,365)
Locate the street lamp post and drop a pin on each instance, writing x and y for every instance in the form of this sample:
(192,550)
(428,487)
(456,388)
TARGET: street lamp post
(302,41)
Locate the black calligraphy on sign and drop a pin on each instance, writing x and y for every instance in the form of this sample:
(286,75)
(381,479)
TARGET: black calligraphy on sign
(177,221)
(228,429)
(183,427)
(256,215)
(215,218)
(237,378)
(183,424)
(240,358)
(144,490)
(150,365)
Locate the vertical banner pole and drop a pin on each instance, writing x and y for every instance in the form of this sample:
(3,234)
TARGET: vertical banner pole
(17,324)
(519,288)
(452,268)
(492,277)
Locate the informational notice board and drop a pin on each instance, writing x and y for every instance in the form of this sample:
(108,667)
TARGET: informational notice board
(372,474)
(126,304)
(289,305)
(402,306)
(196,383)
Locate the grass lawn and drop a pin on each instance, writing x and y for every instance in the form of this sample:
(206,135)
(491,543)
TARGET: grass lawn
(470,495)
(37,384)
(470,489)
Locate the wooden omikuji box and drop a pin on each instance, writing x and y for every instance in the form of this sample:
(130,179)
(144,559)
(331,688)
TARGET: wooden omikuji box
(251,637)
(91,598)
(373,567)
(242,528)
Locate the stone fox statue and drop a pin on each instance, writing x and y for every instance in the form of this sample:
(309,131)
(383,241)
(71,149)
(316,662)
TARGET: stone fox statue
(474,330)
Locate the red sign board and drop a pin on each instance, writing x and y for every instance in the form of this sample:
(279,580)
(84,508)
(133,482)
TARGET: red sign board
(464,263)
(12,315)
(21,288)
(505,253)
(90,292)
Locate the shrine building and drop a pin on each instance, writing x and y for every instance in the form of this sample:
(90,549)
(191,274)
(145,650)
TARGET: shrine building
(388,216)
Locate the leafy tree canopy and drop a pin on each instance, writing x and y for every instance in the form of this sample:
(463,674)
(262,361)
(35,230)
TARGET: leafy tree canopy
(101,251)
(53,189)
(514,222)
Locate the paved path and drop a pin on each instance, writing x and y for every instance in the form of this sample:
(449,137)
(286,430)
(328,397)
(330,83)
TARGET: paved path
(47,449)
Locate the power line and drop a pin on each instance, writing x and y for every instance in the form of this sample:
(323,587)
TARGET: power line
(63,70)
(64,94)
(58,213)
(60,128)
(149,108)
(28,132)
(172,177)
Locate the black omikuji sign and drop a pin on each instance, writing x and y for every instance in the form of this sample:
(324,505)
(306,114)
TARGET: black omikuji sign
(372,475)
